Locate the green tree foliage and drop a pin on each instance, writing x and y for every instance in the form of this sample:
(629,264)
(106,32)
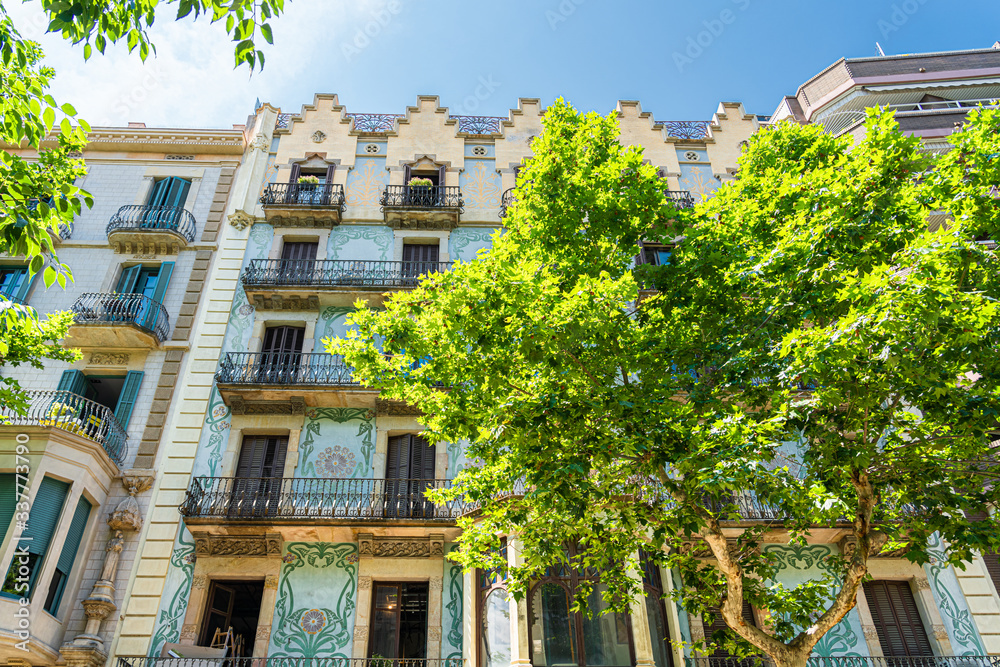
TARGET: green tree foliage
(813,348)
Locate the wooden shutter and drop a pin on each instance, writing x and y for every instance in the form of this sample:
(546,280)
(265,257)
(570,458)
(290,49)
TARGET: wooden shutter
(275,450)
(894,611)
(718,623)
(126,399)
(262,456)
(330,171)
(398,457)
(74,535)
(177,195)
(296,172)
(128,279)
(8,497)
(158,194)
(421,459)
(73,381)
(298,250)
(283,340)
(162,280)
(45,510)
(407,173)
(442,176)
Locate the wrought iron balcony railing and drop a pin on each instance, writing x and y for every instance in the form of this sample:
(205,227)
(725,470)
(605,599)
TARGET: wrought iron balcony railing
(289,368)
(333,661)
(12,298)
(373,123)
(338,272)
(154,218)
(308,195)
(422,196)
(680,198)
(76,414)
(506,201)
(686,129)
(248,499)
(113,308)
(852,661)
(479,124)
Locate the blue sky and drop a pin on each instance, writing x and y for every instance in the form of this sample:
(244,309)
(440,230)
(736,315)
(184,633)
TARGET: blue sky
(680,59)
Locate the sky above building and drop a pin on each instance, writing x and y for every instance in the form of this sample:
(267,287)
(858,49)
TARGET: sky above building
(679,59)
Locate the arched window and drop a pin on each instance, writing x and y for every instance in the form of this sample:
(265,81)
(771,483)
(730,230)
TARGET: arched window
(494,617)
(559,636)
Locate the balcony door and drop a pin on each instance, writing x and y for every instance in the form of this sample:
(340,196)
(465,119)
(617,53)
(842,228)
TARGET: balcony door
(894,611)
(399,621)
(409,471)
(170,193)
(298,261)
(232,605)
(256,488)
(148,281)
(418,259)
(281,355)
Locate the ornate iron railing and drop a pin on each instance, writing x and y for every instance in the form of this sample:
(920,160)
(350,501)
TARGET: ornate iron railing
(65,231)
(374,123)
(421,196)
(76,414)
(506,201)
(479,124)
(317,498)
(290,662)
(303,194)
(338,272)
(851,661)
(113,308)
(283,120)
(12,298)
(154,218)
(289,368)
(686,129)
(680,198)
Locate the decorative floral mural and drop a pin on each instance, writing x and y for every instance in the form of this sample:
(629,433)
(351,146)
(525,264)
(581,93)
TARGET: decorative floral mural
(362,243)
(480,184)
(965,639)
(451,615)
(176,592)
(464,243)
(314,608)
(366,181)
(337,442)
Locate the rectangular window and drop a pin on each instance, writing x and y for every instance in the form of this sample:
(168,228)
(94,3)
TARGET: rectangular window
(399,621)
(170,191)
(656,255)
(231,616)
(897,620)
(717,623)
(68,556)
(12,280)
(409,472)
(22,575)
(296,250)
(257,488)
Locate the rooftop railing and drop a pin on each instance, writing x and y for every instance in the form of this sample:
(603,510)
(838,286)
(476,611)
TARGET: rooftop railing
(680,198)
(852,661)
(374,123)
(258,499)
(288,368)
(114,308)
(338,272)
(154,218)
(421,196)
(333,661)
(75,414)
(686,129)
(479,124)
(304,194)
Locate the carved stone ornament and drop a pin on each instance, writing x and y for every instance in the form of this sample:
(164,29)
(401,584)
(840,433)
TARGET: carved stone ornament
(436,583)
(109,358)
(434,633)
(871,633)
(250,545)
(138,480)
(271,582)
(127,515)
(240,219)
(923,584)
(263,632)
(400,547)
(940,633)
(849,543)
(361,633)
(199,581)
(697,548)
(189,633)
(364,583)
(260,143)
(390,408)
(318,137)
(295,405)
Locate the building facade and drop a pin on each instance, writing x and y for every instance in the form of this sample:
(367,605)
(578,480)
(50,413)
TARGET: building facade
(83,457)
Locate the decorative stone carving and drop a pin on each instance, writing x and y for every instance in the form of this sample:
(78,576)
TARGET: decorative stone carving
(318,137)
(434,633)
(285,301)
(199,581)
(127,515)
(109,358)
(871,633)
(923,584)
(295,405)
(364,583)
(240,219)
(697,548)
(400,547)
(250,545)
(271,582)
(940,633)
(391,408)
(274,544)
(263,632)
(361,633)
(436,583)
(138,480)
(849,543)
(189,633)
(260,143)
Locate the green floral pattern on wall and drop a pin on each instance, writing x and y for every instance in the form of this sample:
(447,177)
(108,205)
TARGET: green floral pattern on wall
(465,242)
(314,608)
(362,243)
(451,616)
(965,639)
(337,442)
(798,563)
(331,322)
(176,591)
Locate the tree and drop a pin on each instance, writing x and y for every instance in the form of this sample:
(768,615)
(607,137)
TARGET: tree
(811,349)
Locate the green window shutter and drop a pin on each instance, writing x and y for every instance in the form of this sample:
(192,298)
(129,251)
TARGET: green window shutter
(25,286)
(178,192)
(45,509)
(73,536)
(73,381)
(126,284)
(162,280)
(8,496)
(159,192)
(126,400)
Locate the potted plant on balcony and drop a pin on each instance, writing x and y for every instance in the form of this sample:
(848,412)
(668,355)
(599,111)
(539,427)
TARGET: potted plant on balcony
(308,187)
(419,191)
(422,183)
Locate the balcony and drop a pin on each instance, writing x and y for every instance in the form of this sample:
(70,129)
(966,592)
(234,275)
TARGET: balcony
(118,320)
(506,201)
(303,204)
(422,207)
(151,229)
(857,661)
(74,414)
(680,198)
(271,283)
(333,661)
(261,382)
(275,500)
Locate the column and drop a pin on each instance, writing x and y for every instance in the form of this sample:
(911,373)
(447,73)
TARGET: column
(641,639)
(520,647)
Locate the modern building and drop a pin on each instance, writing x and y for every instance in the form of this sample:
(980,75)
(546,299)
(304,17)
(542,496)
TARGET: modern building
(84,456)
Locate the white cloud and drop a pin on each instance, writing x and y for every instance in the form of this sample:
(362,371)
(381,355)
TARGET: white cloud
(190,81)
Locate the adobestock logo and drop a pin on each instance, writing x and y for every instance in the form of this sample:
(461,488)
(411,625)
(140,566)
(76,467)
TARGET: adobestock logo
(363,36)
(698,43)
